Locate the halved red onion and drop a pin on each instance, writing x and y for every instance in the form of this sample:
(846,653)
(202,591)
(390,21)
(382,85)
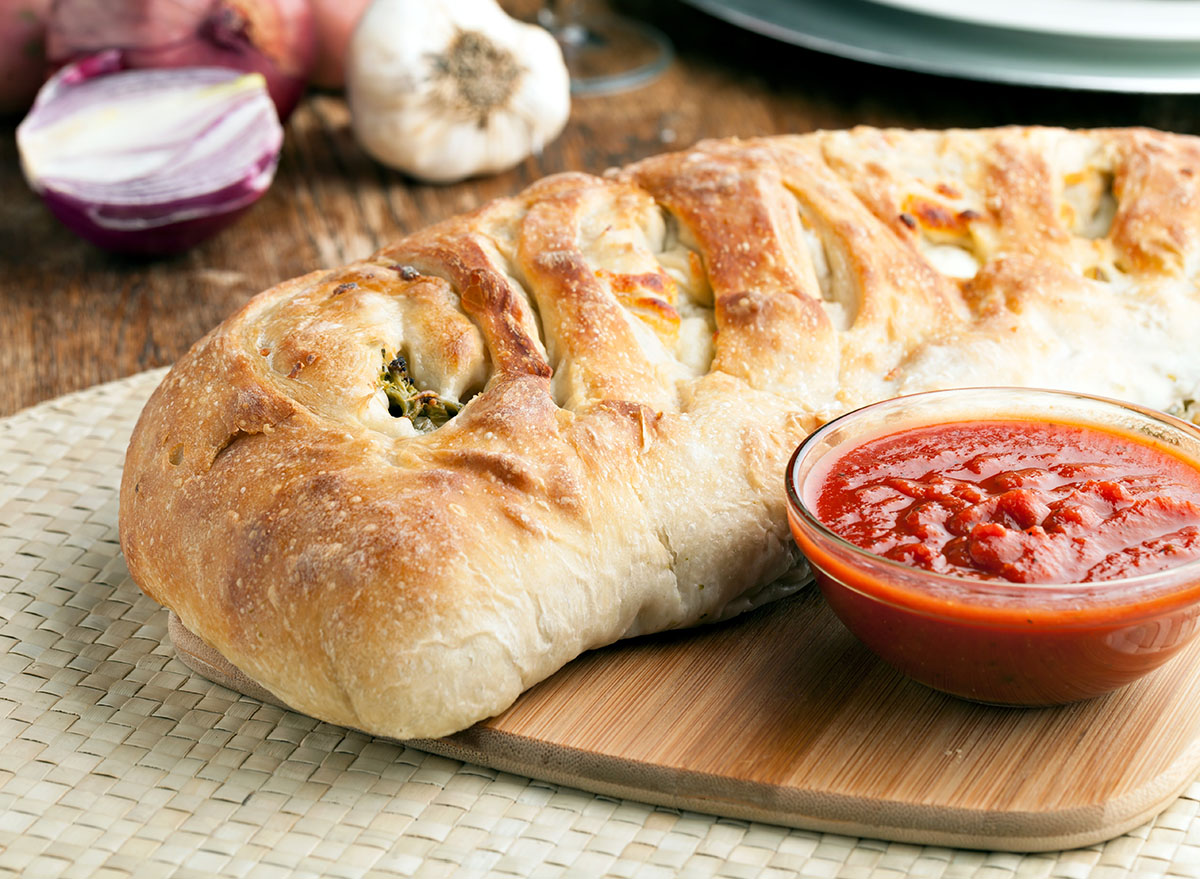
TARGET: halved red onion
(273,37)
(149,161)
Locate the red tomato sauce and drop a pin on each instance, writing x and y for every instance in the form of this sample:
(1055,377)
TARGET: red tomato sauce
(1027,502)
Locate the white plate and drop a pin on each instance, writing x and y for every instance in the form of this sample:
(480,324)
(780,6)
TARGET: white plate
(1152,20)
(880,34)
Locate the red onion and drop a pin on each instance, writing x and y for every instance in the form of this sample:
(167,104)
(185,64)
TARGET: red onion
(22,52)
(149,161)
(336,20)
(273,37)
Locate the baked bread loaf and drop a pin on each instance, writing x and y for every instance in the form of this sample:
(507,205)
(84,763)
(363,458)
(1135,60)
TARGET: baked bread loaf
(398,493)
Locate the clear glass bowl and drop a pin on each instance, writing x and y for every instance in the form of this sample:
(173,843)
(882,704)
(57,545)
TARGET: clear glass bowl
(996,641)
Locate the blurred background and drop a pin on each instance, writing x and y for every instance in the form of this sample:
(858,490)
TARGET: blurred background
(72,315)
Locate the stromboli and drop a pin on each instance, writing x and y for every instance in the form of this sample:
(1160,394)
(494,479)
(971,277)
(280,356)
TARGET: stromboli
(614,469)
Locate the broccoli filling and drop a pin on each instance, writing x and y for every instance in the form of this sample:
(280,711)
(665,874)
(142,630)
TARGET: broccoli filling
(425,409)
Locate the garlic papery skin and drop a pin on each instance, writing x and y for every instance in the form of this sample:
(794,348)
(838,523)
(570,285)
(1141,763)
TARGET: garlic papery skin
(448,89)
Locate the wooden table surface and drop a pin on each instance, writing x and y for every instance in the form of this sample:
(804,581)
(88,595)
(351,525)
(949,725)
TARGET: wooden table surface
(72,316)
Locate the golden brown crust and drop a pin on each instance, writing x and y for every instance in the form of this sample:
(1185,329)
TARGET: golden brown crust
(638,355)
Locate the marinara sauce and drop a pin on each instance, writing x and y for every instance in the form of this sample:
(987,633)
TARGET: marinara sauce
(1014,557)
(1022,501)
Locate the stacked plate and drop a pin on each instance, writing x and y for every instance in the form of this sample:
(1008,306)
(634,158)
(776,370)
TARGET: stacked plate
(1102,45)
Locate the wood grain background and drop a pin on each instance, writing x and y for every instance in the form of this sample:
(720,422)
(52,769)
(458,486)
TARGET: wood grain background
(72,316)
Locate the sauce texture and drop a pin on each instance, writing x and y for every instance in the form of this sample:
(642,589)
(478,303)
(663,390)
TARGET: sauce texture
(1026,502)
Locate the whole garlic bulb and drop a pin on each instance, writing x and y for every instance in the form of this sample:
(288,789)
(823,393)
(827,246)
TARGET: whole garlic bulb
(445,89)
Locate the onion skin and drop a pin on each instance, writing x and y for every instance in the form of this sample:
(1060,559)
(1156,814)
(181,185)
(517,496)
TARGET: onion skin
(149,162)
(153,241)
(276,38)
(335,22)
(22,52)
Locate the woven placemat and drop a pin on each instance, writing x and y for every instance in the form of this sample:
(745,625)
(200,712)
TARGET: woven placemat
(117,761)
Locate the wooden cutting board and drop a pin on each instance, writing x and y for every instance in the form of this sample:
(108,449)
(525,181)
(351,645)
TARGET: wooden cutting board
(781,716)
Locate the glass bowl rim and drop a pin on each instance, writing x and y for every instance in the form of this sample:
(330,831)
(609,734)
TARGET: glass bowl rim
(916,580)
